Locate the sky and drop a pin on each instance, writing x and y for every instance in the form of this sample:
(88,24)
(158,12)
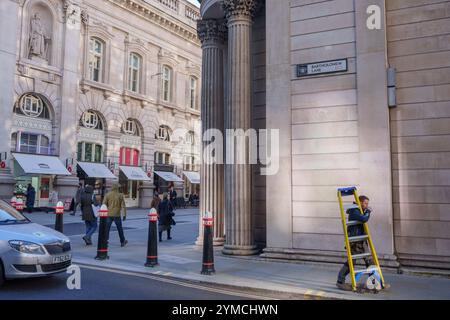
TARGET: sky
(195,2)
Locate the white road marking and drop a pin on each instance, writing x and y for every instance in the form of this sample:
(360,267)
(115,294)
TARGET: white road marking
(175,282)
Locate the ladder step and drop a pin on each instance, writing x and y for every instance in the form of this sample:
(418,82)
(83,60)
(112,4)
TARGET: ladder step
(354,223)
(368,270)
(361,255)
(358,238)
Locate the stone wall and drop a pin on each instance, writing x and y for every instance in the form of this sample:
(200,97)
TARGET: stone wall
(419,49)
(325,147)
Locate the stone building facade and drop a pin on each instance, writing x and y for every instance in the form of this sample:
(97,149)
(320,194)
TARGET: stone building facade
(381,124)
(109,84)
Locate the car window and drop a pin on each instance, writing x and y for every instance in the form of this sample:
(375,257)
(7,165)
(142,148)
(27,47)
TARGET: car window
(9,215)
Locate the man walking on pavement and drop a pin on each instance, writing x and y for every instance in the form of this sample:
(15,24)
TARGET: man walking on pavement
(77,199)
(354,214)
(115,201)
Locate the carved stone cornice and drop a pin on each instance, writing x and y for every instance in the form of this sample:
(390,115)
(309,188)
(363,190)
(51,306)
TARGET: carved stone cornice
(211,30)
(237,8)
(147,12)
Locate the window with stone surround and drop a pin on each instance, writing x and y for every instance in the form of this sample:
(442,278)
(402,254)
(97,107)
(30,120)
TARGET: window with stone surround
(162,158)
(91,120)
(33,106)
(163,133)
(167,76)
(89,152)
(96,59)
(130,127)
(134,72)
(193,95)
(30,143)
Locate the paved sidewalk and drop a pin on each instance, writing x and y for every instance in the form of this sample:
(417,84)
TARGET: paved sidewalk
(180,258)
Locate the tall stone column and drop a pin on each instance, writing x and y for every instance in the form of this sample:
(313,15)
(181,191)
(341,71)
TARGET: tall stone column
(212,36)
(238,185)
(9,25)
(67,142)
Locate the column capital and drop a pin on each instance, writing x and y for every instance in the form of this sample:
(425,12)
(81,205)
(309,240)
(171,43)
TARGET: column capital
(211,30)
(241,8)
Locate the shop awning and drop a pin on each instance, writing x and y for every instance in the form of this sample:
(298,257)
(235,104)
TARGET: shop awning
(96,170)
(169,176)
(193,177)
(40,164)
(134,173)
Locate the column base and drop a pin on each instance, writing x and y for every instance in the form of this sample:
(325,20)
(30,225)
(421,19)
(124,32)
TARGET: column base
(240,250)
(217,242)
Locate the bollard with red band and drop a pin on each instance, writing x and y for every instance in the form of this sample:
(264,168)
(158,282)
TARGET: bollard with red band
(152,246)
(102,245)
(19,205)
(208,250)
(13,202)
(59,216)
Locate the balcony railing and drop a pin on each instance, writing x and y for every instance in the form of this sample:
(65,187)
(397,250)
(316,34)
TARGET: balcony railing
(172,4)
(192,14)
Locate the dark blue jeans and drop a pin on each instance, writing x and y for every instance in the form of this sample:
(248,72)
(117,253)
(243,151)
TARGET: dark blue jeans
(118,222)
(91,227)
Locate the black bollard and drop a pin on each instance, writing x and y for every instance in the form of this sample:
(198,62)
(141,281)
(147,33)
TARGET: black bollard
(102,245)
(152,246)
(59,216)
(208,250)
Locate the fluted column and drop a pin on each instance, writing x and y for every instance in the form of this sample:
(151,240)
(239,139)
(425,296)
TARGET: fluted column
(212,34)
(238,213)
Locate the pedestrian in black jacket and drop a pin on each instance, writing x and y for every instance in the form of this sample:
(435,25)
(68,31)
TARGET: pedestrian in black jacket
(87,201)
(165,212)
(354,214)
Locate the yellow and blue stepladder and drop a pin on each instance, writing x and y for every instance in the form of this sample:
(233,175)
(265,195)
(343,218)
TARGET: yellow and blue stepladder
(376,276)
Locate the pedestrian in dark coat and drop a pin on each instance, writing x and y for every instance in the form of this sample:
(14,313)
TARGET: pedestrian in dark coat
(87,201)
(31,197)
(77,199)
(155,201)
(165,212)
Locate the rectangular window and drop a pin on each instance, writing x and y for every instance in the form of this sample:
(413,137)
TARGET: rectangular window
(98,153)
(167,83)
(88,152)
(134,70)
(193,94)
(95,60)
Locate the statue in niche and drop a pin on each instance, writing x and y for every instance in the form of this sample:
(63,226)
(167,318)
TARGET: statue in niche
(39,41)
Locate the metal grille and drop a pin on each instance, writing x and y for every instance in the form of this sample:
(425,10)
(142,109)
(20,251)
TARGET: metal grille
(57,248)
(56,266)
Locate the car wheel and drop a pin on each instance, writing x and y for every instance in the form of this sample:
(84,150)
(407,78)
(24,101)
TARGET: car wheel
(2,274)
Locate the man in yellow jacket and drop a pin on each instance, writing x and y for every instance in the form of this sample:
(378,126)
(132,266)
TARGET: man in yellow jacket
(115,201)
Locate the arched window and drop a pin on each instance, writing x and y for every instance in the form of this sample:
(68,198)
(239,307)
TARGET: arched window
(96,54)
(33,106)
(167,75)
(134,72)
(193,93)
(163,133)
(91,120)
(130,127)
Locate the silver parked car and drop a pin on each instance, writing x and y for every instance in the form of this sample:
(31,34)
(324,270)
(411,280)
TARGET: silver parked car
(28,249)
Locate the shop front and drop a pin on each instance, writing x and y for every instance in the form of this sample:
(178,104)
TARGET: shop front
(131,180)
(163,180)
(191,184)
(40,171)
(94,174)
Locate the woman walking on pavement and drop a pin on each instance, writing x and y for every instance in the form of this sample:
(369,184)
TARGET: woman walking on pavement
(165,212)
(88,203)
